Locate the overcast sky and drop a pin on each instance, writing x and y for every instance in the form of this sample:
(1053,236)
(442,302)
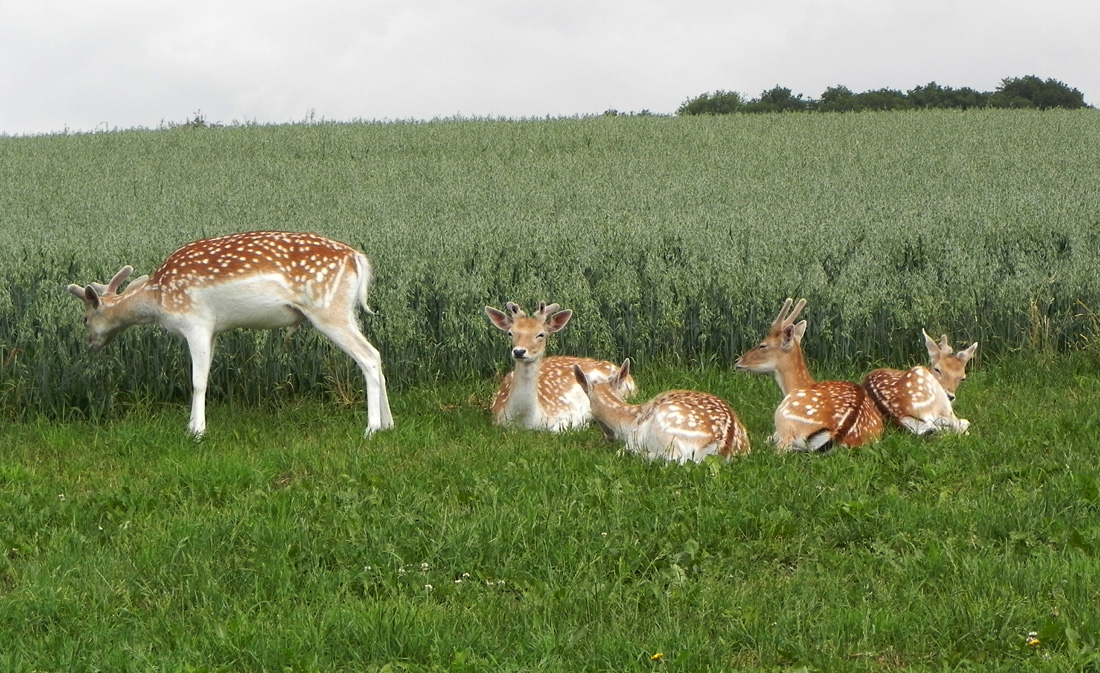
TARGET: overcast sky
(88,65)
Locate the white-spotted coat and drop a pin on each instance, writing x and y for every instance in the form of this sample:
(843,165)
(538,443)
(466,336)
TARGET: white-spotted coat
(253,280)
(813,416)
(541,392)
(920,399)
(677,425)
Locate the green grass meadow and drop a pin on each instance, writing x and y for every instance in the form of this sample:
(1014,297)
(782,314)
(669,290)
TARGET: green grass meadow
(285,541)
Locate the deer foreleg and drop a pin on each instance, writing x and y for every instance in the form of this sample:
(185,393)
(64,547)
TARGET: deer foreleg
(201,345)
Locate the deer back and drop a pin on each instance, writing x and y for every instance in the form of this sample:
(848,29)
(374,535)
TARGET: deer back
(308,268)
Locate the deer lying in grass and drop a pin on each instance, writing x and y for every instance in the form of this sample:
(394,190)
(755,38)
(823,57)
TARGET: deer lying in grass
(679,425)
(812,416)
(919,399)
(255,280)
(541,393)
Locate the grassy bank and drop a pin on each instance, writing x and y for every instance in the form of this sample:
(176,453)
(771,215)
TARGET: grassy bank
(285,541)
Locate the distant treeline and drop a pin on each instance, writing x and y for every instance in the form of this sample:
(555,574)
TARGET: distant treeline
(1021,92)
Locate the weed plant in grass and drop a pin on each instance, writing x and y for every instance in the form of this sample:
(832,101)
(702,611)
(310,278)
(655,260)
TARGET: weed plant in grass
(671,239)
(285,541)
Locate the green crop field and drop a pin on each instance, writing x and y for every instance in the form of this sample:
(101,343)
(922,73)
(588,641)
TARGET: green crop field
(285,541)
(674,239)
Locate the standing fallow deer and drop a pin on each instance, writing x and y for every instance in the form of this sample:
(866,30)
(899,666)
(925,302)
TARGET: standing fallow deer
(679,425)
(541,393)
(920,399)
(813,416)
(254,280)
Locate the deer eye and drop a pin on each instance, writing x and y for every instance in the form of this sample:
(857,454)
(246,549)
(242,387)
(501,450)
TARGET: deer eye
(937,370)
(542,335)
(762,346)
(509,332)
(85,320)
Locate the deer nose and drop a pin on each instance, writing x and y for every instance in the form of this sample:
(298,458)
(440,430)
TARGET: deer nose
(951,397)
(518,353)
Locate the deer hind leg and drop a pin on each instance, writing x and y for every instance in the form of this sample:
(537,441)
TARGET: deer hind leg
(797,435)
(347,337)
(201,345)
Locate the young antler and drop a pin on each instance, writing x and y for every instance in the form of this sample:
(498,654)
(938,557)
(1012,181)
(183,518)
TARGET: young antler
(812,416)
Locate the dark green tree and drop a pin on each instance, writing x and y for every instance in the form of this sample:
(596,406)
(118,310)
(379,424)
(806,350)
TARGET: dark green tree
(837,99)
(718,103)
(933,95)
(884,99)
(1019,92)
(1030,91)
(777,99)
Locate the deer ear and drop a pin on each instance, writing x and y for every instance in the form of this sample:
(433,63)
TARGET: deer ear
(792,335)
(931,345)
(91,297)
(502,320)
(622,374)
(964,356)
(558,320)
(582,379)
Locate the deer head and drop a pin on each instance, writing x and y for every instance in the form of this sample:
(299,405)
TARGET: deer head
(948,367)
(103,321)
(529,333)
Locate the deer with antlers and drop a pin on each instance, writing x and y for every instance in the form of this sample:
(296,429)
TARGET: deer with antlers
(920,399)
(254,280)
(541,393)
(813,416)
(677,425)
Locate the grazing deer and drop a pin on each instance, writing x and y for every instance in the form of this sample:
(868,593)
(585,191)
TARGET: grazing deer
(255,280)
(678,425)
(541,393)
(812,416)
(918,399)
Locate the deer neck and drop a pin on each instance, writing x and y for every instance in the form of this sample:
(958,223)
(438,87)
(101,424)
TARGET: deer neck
(140,306)
(792,372)
(616,417)
(524,395)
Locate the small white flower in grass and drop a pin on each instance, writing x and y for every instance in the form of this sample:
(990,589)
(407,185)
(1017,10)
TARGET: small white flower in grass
(429,588)
(424,567)
(401,570)
(61,497)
